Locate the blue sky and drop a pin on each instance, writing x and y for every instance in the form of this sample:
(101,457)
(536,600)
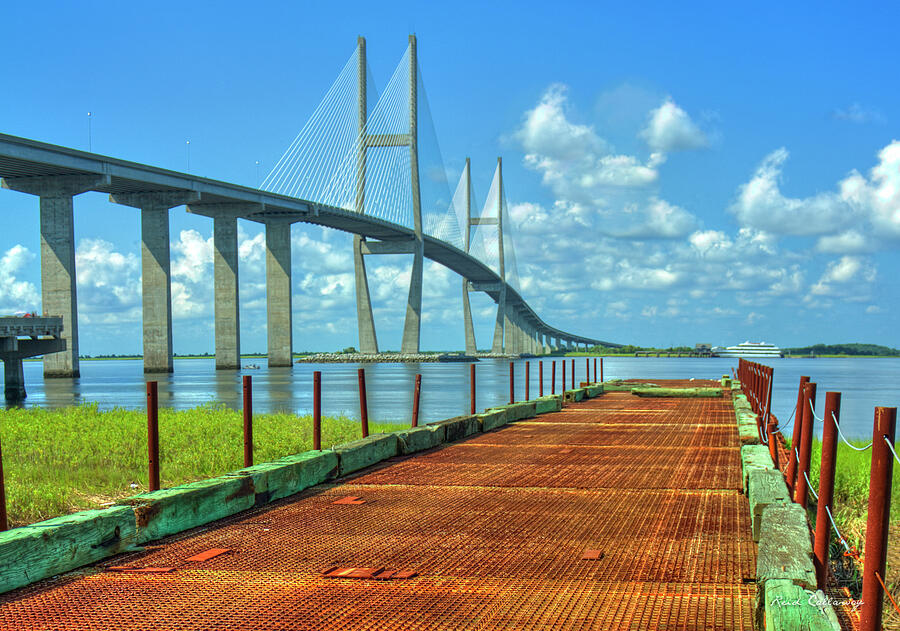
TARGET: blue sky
(676,174)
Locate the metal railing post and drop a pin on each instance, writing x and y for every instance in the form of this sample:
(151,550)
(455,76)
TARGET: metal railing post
(472,388)
(801,492)
(540,378)
(317,410)
(512,389)
(153,435)
(879,514)
(795,436)
(248,421)
(826,486)
(363,403)
(417,390)
(553,377)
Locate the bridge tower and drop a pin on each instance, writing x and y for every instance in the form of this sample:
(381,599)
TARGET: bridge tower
(471,347)
(368,342)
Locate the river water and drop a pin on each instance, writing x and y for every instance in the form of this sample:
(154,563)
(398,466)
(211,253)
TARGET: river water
(864,383)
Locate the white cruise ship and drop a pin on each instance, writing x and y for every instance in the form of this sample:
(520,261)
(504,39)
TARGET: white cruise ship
(749,349)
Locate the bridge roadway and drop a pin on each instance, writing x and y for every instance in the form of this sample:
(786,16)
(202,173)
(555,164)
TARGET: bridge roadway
(495,526)
(54,172)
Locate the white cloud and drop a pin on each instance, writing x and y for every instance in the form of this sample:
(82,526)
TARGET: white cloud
(109,287)
(17,295)
(873,309)
(856,113)
(669,128)
(762,205)
(849,242)
(845,277)
(594,185)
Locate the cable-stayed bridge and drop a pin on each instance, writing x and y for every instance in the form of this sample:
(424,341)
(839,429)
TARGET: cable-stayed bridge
(355,166)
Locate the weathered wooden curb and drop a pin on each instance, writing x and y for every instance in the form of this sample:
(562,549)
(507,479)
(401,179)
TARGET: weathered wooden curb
(786,597)
(51,547)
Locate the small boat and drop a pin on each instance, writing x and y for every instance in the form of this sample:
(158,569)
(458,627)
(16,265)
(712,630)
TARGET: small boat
(749,349)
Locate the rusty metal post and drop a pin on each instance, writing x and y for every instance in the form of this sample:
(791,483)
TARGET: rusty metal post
(826,486)
(472,388)
(153,435)
(363,403)
(4,523)
(248,421)
(512,388)
(795,436)
(595,370)
(563,362)
(573,374)
(771,386)
(801,492)
(772,437)
(416,392)
(601,370)
(878,518)
(553,377)
(527,381)
(540,378)
(317,410)
(587,369)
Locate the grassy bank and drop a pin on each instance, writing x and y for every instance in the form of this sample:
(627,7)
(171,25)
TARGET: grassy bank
(60,461)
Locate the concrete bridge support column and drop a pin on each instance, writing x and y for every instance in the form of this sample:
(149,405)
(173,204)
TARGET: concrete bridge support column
(156,272)
(14,379)
(412,327)
(498,346)
(58,292)
(545,344)
(368,340)
(226,279)
(278,292)
(471,347)
(512,333)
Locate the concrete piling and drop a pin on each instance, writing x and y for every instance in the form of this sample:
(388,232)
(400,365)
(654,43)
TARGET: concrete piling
(278,292)
(226,282)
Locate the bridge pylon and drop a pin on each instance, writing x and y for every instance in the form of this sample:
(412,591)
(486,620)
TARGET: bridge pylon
(368,341)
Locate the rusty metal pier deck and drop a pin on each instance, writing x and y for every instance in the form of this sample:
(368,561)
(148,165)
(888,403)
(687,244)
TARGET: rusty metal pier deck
(496,529)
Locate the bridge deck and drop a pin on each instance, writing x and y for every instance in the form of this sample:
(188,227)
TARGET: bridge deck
(495,526)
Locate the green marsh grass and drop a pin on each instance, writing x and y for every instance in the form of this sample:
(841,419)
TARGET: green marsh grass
(60,461)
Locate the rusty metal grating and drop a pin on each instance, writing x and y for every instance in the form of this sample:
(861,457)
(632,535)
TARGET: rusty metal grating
(495,527)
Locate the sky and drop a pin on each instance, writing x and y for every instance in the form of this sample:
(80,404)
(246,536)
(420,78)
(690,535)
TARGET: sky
(675,173)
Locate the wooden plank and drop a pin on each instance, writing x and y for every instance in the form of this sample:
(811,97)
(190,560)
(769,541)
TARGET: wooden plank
(785,549)
(789,607)
(58,545)
(754,457)
(765,487)
(365,452)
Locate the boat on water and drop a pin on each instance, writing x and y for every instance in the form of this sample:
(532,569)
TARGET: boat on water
(749,350)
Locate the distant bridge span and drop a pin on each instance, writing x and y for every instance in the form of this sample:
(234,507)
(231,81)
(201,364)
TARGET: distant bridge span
(56,174)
